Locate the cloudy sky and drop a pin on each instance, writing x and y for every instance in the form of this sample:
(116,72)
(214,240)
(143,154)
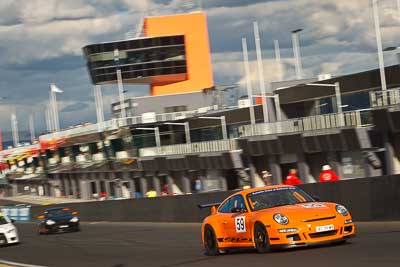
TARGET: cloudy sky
(41,41)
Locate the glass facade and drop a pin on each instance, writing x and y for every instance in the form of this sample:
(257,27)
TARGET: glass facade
(137,59)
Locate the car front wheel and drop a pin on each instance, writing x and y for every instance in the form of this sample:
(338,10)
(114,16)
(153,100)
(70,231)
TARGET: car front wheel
(210,241)
(261,239)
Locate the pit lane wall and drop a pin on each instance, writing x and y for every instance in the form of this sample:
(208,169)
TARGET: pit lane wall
(368,199)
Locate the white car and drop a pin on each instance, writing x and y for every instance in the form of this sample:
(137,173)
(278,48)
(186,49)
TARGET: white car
(8,231)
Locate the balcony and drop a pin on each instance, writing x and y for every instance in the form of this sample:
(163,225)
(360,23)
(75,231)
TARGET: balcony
(200,147)
(385,98)
(358,118)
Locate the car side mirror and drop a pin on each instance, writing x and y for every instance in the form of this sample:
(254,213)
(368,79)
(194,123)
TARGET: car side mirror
(12,221)
(238,210)
(317,198)
(40,217)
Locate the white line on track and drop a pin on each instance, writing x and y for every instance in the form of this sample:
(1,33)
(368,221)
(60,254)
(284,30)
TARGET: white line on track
(17,264)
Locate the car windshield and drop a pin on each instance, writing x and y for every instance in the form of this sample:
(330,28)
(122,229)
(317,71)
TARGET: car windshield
(4,220)
(58,213)
(274,197)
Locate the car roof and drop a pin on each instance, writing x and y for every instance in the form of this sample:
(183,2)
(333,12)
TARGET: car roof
(53,209)
(255,189)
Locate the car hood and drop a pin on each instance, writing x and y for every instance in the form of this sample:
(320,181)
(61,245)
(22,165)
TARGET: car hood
(304,211)
(6,227)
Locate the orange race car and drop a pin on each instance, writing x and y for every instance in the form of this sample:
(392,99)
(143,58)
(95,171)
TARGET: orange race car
(273,217)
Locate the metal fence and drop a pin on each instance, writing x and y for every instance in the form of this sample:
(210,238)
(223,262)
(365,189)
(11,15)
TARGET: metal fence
(200,147)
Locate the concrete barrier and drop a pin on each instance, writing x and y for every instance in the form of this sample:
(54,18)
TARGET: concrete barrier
(368,199)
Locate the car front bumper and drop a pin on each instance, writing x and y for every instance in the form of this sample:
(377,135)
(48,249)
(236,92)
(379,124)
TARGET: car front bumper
(9,238)
(305,237)
(62,227)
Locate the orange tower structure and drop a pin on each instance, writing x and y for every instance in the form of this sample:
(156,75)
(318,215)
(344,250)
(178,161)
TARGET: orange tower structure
(193,27)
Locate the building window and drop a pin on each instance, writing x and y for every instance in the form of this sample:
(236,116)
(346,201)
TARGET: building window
(175,109)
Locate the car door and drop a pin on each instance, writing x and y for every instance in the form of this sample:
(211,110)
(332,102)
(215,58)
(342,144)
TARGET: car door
(224,215)
(238,222)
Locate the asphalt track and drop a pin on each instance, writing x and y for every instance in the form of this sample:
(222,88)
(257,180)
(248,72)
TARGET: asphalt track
(170,245)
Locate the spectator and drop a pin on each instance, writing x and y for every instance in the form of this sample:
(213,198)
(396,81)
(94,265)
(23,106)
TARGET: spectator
(197,185)
(328,175)
(151,193)
(292,178)
(165,191)
(267,177)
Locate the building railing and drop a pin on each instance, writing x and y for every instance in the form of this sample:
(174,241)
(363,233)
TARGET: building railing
(358,118)
(200,147)
(115,123)
(385,98)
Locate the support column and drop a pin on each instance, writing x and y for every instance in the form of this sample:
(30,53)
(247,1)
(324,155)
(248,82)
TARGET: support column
(106,181)
(335,164)
(85,186)
(143,186)
(223,183)
(389,157)
(156,184)
(77,184)
(304,170)
(97,183)
(14,189)
(185,181)
(73,185)
(275,169)
(170,182)
(252,170)
(132,187)
(65,183)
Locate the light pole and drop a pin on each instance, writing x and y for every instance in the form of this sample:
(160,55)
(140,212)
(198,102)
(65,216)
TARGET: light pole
(296,52)
(248,81)
(278,59)
(98,99)
(187,129)
(338,97)
(156,133)
(398,6)
(379,46)
(260,71)
(14,127)
(32,128)
(223,125)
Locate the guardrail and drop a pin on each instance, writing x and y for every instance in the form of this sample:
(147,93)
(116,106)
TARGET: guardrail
(358,118)
(200,147)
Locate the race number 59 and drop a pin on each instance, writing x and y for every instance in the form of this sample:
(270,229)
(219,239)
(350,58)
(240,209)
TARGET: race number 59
(240,223)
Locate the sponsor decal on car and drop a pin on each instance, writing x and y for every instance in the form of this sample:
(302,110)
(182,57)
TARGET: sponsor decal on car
(240,222)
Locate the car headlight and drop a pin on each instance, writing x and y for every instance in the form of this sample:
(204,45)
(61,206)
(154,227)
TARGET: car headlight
(50,222)
(281,219)
(342,210)
(74,220)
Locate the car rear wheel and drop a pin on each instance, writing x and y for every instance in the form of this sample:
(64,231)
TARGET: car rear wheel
(210,241)
(261,239)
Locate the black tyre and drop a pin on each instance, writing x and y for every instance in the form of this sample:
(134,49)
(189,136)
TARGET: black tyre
(261,239)
(210,241)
